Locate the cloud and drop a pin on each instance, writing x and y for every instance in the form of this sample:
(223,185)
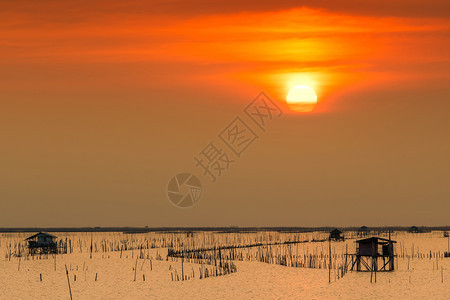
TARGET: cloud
(73,11)
(233,41)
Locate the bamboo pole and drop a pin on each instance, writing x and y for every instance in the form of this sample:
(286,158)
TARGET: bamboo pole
(135,269)
(68,282)
(329,263)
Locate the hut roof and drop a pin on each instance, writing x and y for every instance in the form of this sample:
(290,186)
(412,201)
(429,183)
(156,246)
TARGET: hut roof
(413,228)
(377,240)
(40,234)
(335,231)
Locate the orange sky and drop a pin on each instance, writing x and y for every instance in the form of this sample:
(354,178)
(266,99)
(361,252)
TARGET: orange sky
(80,75)
(333,49)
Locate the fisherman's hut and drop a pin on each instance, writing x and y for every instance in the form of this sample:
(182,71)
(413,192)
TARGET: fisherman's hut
(335,235)
(374,254)
(42,243)
(363,231)
(413,229)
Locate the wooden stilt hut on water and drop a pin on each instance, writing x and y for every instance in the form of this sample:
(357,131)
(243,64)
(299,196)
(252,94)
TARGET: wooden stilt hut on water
(42,243)
(374,254)
(336,235)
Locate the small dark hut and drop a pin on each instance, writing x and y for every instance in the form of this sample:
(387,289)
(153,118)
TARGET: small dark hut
(371,252)
(414,229)
(335,235)
(363,231)
(42,243)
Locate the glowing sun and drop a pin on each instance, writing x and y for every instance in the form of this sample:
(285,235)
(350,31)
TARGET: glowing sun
(301,98)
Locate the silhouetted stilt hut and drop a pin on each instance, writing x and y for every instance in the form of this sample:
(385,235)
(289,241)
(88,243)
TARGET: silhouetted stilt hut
(335,235)
(363,231)
(414,229)
(42,243)
(374,254)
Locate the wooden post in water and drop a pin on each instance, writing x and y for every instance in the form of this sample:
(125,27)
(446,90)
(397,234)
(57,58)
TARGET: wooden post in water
(68,282)
(135,269)
(182,268)
(375,267)
(371,272)
(329,263)
(346,255)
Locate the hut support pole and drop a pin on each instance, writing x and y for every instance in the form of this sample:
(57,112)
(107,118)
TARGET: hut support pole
(375,267)
(329,263)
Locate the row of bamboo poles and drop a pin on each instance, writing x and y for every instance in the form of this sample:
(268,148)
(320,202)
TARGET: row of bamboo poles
(14,244)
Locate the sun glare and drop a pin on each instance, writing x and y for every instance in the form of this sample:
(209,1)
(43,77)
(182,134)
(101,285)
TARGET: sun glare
(301,98)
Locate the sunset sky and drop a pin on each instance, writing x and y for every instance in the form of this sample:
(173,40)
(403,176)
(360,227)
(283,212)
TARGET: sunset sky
(102,102)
